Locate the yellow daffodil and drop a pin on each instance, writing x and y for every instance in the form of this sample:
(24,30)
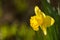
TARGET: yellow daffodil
(42,20)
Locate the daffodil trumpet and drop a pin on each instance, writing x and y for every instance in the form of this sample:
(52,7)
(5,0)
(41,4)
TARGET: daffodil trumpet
(42,20)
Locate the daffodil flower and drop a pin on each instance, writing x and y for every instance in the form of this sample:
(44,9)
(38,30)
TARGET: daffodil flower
(41,20)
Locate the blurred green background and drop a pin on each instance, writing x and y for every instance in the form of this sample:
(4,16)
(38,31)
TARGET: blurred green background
(15,15)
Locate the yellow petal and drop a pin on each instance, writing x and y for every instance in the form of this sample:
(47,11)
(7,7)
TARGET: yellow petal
(52,21)
(38,12)
(34,24)
(39,20)
(36,28)
(44,29)
(48,21)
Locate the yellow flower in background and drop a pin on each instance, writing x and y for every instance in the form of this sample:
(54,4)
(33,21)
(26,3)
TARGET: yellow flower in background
(42,20)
